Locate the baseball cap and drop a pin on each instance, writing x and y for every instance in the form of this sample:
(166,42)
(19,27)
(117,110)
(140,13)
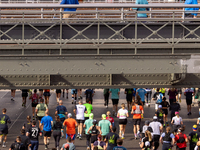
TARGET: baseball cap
(69,115)
(176,112)
(160,106)
(91,116)
(103,116)
(195,127)
(147,122)
(147,143)
(66,146)
(155,117)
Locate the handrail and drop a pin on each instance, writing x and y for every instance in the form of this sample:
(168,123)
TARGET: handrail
(101,5)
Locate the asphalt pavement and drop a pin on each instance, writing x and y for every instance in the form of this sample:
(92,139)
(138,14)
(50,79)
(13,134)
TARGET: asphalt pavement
(18,114)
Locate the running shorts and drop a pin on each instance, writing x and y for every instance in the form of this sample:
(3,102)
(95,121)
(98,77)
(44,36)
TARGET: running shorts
(115,101)
(165,111)
(188,101)
(93,138)
(58,91)
(80,121)
(129,99)
(47,133)
(122,121)
(136,121)
(4,132)
(39,117)
(24,94)
(47,94)
(73,136)
(34,104)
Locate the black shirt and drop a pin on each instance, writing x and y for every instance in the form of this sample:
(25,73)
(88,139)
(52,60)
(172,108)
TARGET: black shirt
(4,119)
(165,104)
(129,93)
(17,146)
(174,107)
(34,133)
(112,140)
(25,140)
(27,125)
(194,137)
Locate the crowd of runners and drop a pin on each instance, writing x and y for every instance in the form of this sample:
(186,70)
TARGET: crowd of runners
(168,132)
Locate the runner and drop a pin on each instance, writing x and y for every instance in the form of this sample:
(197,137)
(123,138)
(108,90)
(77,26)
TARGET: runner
(146,127)
(33,133)
(58,94)
(110,118)
(189,93)
(88,123)
(106,97)
(35,98)
(40,93)
(175,107)
(159,113)
(69,145)
(66,93)
(142,93)
(158,98)
(99,143)
(105,126)
(61,111)
(79,91)
(181,139)
(157,129)
(46,96)
(165,106)
(57,128)
(79,111)
(148,96)
(17,145)
(172,95)
(89,95)
(47,123)
(136,111)
(166,139)
(25,139)
(129,98)
(193,137)
(122,115)
(115,100)
(176,121)
(95,131)
(74,95)
(24,97)
(119,145)
(111,139)
(162,90)
(4,119)
(89,109)
(147,138)
(40,111)
(179,90)
(13,94)
(27,124)
(71,125)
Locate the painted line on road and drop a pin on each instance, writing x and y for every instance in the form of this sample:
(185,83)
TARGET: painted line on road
(4,94)
(18,117)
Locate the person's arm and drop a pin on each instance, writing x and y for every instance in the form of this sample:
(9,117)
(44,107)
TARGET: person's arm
(189,137)
(198,121)
(84,126)
(99,128)
(117,115)
(186,139)
(142,111)
(56,112)
(74,111)
(104,147)
(173,141)
(142,145)
(172,122)
(127,115)
(161,141)
(161,128)
(89,130)
(111,127)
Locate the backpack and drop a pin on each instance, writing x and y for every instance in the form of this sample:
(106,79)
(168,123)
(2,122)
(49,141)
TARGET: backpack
(137,110)
(94,130)
(181,138)
(167,137)
(42,107)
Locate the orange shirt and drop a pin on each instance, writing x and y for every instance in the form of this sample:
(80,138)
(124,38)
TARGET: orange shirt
(70,124)
(46,90)
(136,116)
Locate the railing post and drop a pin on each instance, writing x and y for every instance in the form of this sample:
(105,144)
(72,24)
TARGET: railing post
(61,15)
(173,33)
(42,15)
(122,13)
(183,14)
(96,13)
(150,15)
(136,32)
(98,33)
(23,34)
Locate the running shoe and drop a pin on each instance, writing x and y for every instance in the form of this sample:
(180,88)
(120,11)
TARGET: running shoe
(77,136)
(12,99)
(4,145)
(80,138)
(122,137)
(47,141)
(88,148)
(188,113)
(163,125)
(46,147)
(22,104)
(72,101)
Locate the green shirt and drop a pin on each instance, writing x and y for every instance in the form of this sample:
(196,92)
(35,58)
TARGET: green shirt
(41,109)
(89,109)
(88,123)
(105,127)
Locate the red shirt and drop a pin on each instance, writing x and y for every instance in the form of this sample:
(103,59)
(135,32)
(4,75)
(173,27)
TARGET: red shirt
(110,119)
(181,145)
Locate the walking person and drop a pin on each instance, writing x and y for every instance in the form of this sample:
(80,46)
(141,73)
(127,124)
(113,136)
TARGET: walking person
(79,111)
(189,93)
(33,134)
(122,115)
(136,111)
(34,97)
(57,128)
(5,119)
(167,139)
(47,122)
(115,99)
(106,97)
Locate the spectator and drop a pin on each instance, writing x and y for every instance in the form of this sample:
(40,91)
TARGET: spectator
(190,12)
(141,15)
(119,145)
(69,9)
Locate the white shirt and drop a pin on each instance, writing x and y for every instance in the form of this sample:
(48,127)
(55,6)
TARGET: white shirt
(176,120)
(80,109)
(122,113)
(155,125)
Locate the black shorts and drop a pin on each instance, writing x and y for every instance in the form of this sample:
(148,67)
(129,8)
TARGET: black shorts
(24,94)
(39,118)
(58,91)
(129,100)
(46,94)
(115,101)
(80,121)
(33,104)
(165,111)
(86,118)
(136,121)
(93,138)
(4,132)
(188,101)
(41,90)
(47,133)
(122,121)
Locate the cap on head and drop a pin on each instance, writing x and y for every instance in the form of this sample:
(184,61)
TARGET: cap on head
(91,116)
(194,127)
(160,106)
(94,122)
(66,146)
(176,113)
(69,115)
(147,143)
(155,118)
(103,116)
(147,122)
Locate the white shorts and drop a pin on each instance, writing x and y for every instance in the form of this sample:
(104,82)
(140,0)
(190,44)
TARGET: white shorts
(156,106)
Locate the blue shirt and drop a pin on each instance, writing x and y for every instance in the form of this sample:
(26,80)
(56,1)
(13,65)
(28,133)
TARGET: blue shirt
(61,111)
(171,136)
(191,9)
(143,15)
(119,148)
(46,121)
(69,2)
(141,92)
(114,94)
